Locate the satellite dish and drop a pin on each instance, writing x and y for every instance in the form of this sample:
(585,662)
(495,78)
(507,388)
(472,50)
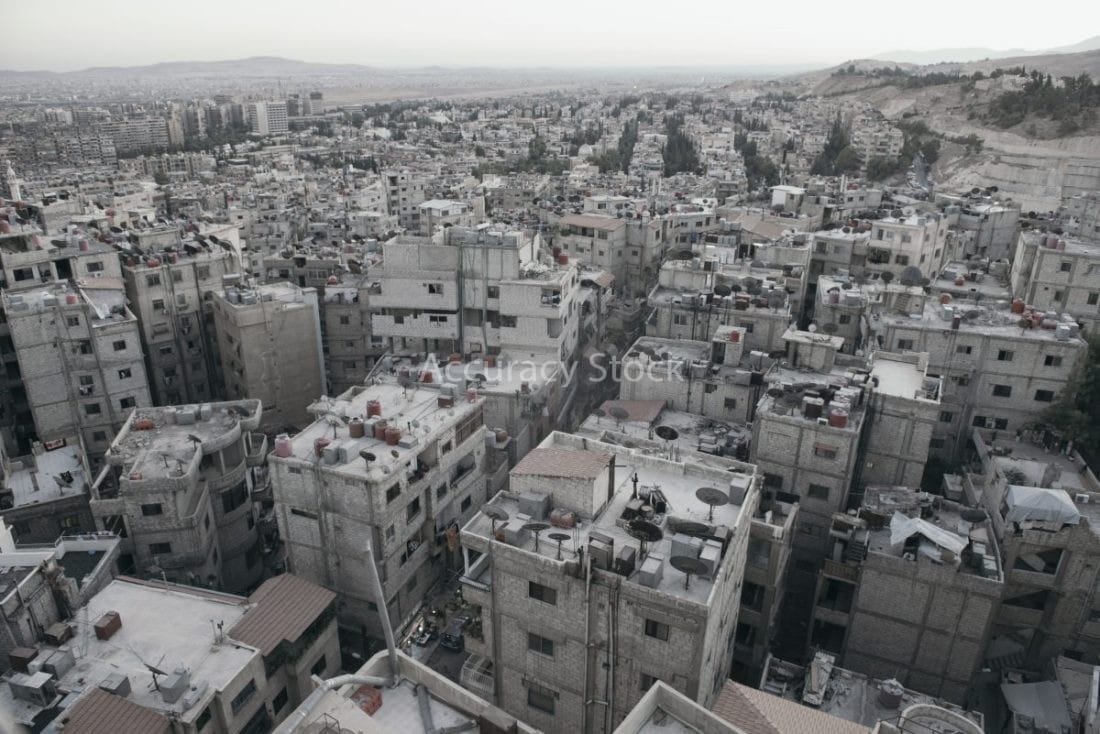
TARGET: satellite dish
(911,275)
(722,290)
(666,433)
(712,497)
(776,299)
(496,515)
(598,412)
(618,412)
(973,514)
(685,255)
(560,538)
(536,528)
(689,567)
(972,315)
(690,527)
(645,531)
(395,453)
(829,327)
(368,456)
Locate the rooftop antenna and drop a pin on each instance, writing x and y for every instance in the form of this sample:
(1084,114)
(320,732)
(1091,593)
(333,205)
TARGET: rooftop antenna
(688,566)
(634,483)
(711,497)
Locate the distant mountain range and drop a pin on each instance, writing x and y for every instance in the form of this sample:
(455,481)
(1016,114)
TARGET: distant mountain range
(944,55)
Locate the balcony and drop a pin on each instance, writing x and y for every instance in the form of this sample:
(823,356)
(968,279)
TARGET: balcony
(841,571)
(257,452)
(477,677)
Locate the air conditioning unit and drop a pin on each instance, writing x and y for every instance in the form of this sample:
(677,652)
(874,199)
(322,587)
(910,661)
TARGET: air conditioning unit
(1081,498)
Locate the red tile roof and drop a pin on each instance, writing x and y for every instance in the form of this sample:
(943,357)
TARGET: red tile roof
(566,463)
(283,609)
(100,712)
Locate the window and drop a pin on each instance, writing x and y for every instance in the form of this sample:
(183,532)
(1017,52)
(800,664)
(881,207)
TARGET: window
(824,451)
(653,628)
(157,549)
(152,509)
(1093,299)
(818,492)
(437,319)
(1052,360)
(127,403)
(205,716)
(202,271)
(540,644)
(72,320)
(978,422)
(279,701)
(393,493)
(773,481)
(86,380)
(345,320)
(466,504)
(905,344)
(119,345)
(158,304)
(710,387)
(435,289)
(1000,424)
(963,349)
(125,374)
(412,509)
(946,416)
(541,698)
(1005,355)
(1044,396)
(92,409)
(319,666)
(1059,296)
(542,593)
(647,681)
(729,403)
(508,322)
(95,266)
(844,318)
(84,346)
(234,497)
(1002,391)
(1065,267)
(440,491)
(152,280)
(493,291)
(242,698)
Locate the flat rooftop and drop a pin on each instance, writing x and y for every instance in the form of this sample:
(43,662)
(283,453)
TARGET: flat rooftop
(663,483)
(902,377)
(503,377)
(415,409)
(997,320)
(163,442)
(849,695)
(694,433)
(166,626)
(50,475)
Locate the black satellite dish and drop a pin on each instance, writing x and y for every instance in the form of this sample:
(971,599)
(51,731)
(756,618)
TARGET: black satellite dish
(598,412)
(560,538)
(368,456)
(666,433)
(645,531)
(911,275)
(496,515)
(536,528)
(712,497)
(685,255)
(722,290)
(973,514)
(689,527)
(689,567)
(829,327)
(618,412)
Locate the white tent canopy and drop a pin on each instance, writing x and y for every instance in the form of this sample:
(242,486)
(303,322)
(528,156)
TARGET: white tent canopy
(1036,504)
(902,528)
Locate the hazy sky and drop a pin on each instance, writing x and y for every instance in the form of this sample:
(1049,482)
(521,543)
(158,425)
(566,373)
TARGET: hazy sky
(73,34)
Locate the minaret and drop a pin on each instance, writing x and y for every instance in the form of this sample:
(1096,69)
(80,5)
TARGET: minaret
(12,183)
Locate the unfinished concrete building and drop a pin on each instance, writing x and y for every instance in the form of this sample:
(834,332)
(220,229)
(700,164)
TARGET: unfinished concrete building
(1054,273)
(351,350)
(388,464)
(910,591)
(177,489)
(636,581)
(269,342)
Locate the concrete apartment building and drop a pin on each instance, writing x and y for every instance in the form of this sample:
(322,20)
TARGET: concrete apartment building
(1052,273)
(576,629)
(223,664)
(351,349)
(385,464)
(597,242)
(170,291)
(996,373)
(380,696)
(405,192)
(1042,507)
(177,489)
(44,584)
(898,242)
(479,291)
(984,228)
(910,591)
(45,493)
(268,118)
(269,342)
(438,213)
(79,353)
(688,304)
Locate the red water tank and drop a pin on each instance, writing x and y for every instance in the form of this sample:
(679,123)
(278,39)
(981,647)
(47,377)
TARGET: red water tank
(356,428)
(960,280)
(393,435)
(1017,305)
(456,358)
(380,430)
(319,445)
(144,424)
(945,298)
(563,258)
(374,407)
(735,336)
(838,418)
(427,376)
(471,395)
